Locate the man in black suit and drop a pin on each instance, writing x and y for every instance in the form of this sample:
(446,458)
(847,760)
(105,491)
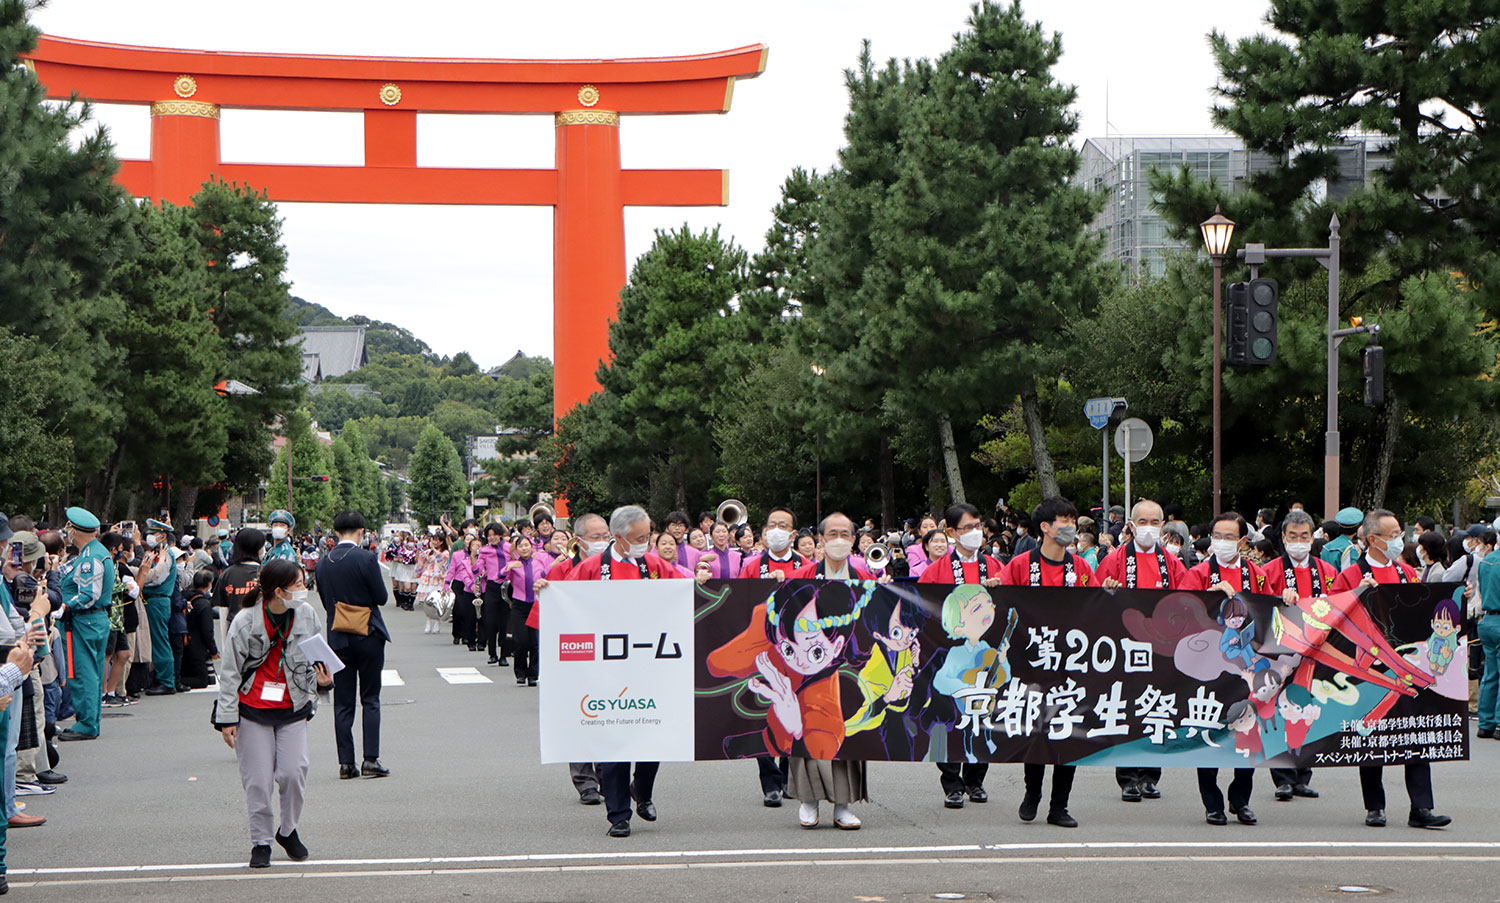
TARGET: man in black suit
(350,574)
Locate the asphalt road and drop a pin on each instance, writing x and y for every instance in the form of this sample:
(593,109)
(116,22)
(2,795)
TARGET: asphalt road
(154,811)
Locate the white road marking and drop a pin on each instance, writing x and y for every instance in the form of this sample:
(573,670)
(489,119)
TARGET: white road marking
(1429,849)
(242,874)
(463,676)
(390,677)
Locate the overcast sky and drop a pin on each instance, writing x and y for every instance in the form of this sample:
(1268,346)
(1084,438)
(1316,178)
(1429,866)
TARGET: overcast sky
(480,278)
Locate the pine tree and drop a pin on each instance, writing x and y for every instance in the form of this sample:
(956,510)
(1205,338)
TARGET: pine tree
(63,224)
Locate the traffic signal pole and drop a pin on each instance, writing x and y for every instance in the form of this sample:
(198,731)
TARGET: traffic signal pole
(1255,255)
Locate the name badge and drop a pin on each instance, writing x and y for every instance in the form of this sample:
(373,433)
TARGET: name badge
(272,692)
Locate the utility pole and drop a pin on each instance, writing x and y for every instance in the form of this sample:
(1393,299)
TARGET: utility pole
(1255,255)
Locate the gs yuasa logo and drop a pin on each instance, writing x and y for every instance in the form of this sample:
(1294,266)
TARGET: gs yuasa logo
(594,706)
(575,647)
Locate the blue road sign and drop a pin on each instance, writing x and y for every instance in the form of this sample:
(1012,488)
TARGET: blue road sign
(1097,410)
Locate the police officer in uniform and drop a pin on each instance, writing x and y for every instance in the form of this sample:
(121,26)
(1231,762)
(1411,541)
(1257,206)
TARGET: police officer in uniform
(158,580)
(282,524)
(88,583)
(1340,551)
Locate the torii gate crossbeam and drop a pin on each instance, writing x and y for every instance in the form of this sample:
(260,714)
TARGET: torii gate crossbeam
(186,89)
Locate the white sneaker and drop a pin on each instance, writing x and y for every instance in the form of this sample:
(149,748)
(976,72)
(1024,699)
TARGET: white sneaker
(807,814)
(845,819)
(25,789)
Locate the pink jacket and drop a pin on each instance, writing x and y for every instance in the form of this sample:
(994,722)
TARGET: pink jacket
(459,569)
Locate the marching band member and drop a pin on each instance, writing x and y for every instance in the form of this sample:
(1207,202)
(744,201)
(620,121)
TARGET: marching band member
(727,561)
(1050,564)
(964,565)
(1142,563)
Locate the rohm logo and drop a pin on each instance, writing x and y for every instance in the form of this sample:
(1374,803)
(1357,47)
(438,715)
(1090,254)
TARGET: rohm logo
(575,647)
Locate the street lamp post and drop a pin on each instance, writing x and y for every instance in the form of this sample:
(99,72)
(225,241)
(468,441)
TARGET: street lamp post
(1217,231)
(818,455)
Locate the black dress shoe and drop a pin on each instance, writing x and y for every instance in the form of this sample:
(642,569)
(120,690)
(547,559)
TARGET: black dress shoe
(1216,818)
(456,641)
(1284,793)
(977,795)
(644,808)
(773,799)
(1304,791)
(620,829)
(71,734)
(293,845)
(520,681)
(371,768)
(1028,808)
(590,797)
(1245,815)
(1130,793)
(494,661)
(954,800)
(51,777)
(260,856)
(1375,818)
(1150,791)
(160,690)
(531,681)
(503,662)
(348,771)
(1426,818)
(1061,818)
(1484,733)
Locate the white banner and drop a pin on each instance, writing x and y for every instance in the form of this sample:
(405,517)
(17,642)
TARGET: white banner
(617,671)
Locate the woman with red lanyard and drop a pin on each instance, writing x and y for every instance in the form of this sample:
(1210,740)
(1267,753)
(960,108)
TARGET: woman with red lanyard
(268,690)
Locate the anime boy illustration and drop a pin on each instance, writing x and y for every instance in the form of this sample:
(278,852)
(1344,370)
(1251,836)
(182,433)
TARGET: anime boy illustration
(1239,633)
(1242,720)
(891,681)
(792,650)
(1442,646)
(972,672)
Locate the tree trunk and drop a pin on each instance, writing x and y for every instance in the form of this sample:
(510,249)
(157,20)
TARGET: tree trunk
(1386,432)
(112,479)
(1046,474)
(887,484)
(950,460)
(187,502)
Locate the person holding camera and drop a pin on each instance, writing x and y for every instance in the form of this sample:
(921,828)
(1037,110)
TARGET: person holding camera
(268,691)
(18,664)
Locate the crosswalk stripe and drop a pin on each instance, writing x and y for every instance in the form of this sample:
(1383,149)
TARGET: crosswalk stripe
(390,677)
(463,676)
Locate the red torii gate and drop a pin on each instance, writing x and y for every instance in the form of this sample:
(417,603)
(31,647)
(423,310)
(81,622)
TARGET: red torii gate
(587,189)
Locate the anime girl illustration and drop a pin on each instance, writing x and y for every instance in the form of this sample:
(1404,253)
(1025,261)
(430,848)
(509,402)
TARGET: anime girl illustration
(1265,687)
(1298,713)
(1239,633)
(891,681)
(1442,646)
(971,673)
(792,650)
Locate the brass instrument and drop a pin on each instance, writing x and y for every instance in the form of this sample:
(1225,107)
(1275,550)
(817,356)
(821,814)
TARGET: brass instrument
(575,548)
(878,556)
(540,508)
(731,512)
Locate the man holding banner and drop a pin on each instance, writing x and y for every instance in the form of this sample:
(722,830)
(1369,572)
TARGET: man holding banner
(627,558)
(1383,535)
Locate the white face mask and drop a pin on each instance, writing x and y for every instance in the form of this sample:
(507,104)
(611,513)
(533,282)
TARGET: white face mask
(838,549)
(299,596)
(1174,547)
(1226,550)
(1299,550)
(596,547)
(278,532)
(636,550)
(971,540)
(1146,536)
(152,542)
(1394,548)
(777,539)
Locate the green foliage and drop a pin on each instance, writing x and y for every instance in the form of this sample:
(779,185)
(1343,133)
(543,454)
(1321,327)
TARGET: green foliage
(437,477)
(34,450)
(332,406)
(311,500)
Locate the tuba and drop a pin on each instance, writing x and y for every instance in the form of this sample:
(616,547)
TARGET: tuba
(731,512)
(540,508)
(878,556)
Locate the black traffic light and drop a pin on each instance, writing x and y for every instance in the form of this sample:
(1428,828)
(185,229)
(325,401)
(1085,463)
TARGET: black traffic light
(1251,321)
(1375,376)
